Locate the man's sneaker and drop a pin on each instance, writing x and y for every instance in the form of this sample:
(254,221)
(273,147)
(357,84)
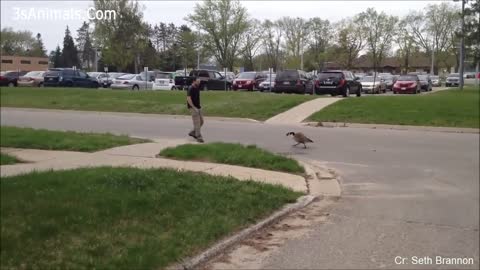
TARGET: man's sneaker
(200,140)
(192,134)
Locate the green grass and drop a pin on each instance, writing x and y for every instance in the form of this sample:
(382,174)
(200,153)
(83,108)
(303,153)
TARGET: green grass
(6,159)
(123,218)
(259,106)
(59,140)
(234,154)
(449,108)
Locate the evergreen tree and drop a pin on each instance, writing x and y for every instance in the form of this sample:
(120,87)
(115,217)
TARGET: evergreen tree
(38,49)
(85,46)
(69,52)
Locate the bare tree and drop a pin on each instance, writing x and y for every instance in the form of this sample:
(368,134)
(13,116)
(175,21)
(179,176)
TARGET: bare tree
(225,22)
(272,42)
(350,39)
(251,43)
(379,29)
(295,31)
(319,38)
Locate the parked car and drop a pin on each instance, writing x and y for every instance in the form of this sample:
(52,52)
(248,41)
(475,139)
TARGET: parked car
(10,78)
(111,76)
(436,80)
(100,77)
(359,75)
(209,80)
(164,81)
(68,77)
(248,80)
(407,84)
(453,80)
(425,82)
(265,85)
(373,85)
(337,82)
(230,77)
(132,82)
(389,80)
(32,78)
(291,81)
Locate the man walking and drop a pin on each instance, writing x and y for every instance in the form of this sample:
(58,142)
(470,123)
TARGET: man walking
(193,103)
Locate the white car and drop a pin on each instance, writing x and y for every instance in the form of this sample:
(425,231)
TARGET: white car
(164,81)
(265,85)
(132,82)
(373,85)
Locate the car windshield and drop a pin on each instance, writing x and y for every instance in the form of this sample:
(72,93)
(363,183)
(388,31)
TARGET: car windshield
(332,75)
(407,78)
(273,76)
(423,77)
(52,73)
(164,75)
(33,74)
(246,75)
(288,75)
(434,77)
(94,74)
(126,77)
(453,75)
(370,79)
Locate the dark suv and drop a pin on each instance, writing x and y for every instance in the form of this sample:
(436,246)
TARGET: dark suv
(337,82)
(10,78)
(69,77)
(292,81)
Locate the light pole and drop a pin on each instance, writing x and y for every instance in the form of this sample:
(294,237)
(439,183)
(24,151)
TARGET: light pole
(462,45)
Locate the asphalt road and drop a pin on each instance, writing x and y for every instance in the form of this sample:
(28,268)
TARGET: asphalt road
(404,193)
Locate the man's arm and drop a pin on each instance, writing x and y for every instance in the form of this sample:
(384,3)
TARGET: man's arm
(190,102)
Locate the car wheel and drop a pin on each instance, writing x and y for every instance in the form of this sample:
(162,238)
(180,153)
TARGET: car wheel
(95,85)
(173,88)
(135,88)
(359,92)
(346,93)
(11,84)
(40,85)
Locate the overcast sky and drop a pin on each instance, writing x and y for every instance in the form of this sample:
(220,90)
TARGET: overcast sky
(52,29)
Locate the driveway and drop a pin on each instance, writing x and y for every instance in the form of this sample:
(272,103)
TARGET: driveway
(405,193)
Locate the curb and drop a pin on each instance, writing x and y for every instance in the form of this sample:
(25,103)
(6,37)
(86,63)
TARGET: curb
(191,263)
(130,114)
(393,127)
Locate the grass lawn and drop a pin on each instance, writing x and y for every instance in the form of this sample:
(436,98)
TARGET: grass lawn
(449,108)
(260,106)
(60,140)
(123,218)
(6,159)
(234,154)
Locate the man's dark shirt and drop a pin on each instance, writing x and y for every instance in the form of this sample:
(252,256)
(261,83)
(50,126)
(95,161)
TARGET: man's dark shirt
(194,93)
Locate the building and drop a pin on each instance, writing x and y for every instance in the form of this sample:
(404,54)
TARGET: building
(23,63)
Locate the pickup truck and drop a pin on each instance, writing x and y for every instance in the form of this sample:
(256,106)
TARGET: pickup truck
(210,80)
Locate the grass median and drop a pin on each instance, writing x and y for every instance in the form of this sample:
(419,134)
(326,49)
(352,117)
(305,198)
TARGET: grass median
(123,218)
(449,108)
(234,154)
(6,159)
(259,106)
(61,140)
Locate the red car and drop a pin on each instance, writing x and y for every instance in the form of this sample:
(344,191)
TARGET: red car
(248,80)
(407,84)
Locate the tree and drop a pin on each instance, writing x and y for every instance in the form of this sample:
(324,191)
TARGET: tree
(56,57)
(350,39)
(379,29)
(251,43)
(85,45)
(38,49)
(16,42)
(225,22)
(472,31)
(122,38)
(295,31)
(69,51)
(272,43)
(186,43)
(319,38)
(405,42)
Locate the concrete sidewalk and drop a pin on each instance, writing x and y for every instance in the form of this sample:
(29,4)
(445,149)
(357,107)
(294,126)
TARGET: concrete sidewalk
(299,113)
(144,156)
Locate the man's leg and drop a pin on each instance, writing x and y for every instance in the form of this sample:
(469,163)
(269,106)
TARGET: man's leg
(197,121)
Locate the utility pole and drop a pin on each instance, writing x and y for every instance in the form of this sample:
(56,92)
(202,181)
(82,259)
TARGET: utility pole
(432,68)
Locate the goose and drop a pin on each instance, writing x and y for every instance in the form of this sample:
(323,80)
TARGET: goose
(300,138)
